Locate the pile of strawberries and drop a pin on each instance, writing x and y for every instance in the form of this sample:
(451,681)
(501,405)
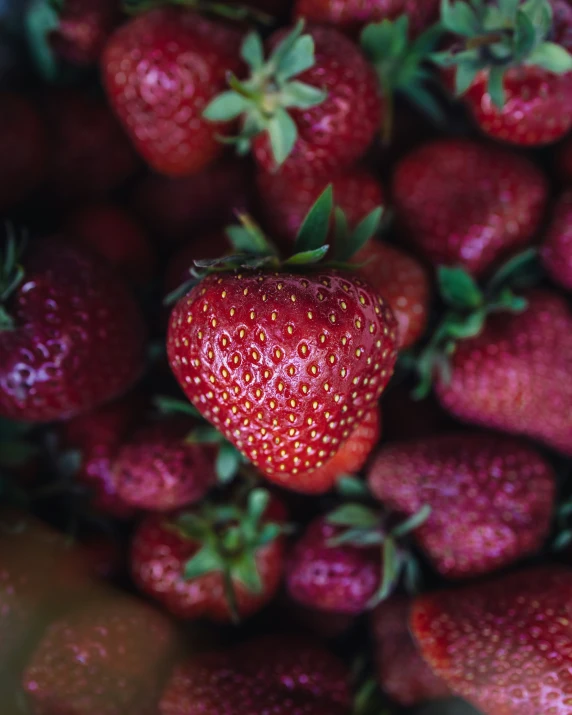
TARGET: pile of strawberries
(286,357)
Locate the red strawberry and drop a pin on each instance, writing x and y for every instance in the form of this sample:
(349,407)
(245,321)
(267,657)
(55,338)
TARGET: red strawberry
(107,658)
(466,203)
(24,148)
(340,579)
(72,334)
(160,70)
(401,671)
(403,282)
(90,155)
(321,119)
(284,365)
(98,435)
(157,470)
(351,456)
(221,564)
(110,231)
(351,15)
(505,644)
(516,375)
(82,29)
(274,674)
(285,203)
(491,498)
(178,209)
(556,250)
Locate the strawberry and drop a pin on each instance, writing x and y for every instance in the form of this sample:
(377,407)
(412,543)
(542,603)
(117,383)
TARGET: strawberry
(318,120)
(273,674)
(514,67)
(351,456)
(222,563)
(106,658)
(275,362)
(24,149)
(71,335)
(491,498)
(556,251)
(351,15)
(177,209)
(285,203)
(83,28)
(505,644)
(159,470)
(464,203)
(110,231)
(401,671)
(340,578)
(160,70)
(98,436)
(403,282)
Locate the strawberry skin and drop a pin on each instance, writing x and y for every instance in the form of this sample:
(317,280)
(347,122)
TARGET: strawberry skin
(160,70)
(491,498)
(352,15)
(107,658)
(157,470)
(284,365)
(78,337)
(504,645)
(556,251)
(401,671)
(285,203)
(404,284)
(338,579)
(337,132)
(281,675)
(160,551)
(464,203)
(516,375)
(83,28)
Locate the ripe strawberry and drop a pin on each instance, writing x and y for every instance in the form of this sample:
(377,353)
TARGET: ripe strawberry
(110,231)
(505,645)
(178,209)
(316,121)
(351,15)
(277,674)
(285,203)
(218,563)
(284,365)
(340,578)
(109,657)
(515,375)
(160,70)
(514,67)
(24,148)
(97,436)
(400,670)
(71,335)
(351,456)
(556,251)
(465,203)
(491,498)
(83,28)
(158,470)
(403,282)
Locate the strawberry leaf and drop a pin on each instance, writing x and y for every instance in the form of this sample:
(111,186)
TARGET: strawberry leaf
(458,289)
(313,232)
(205,561)
(227,464)
(551,57)
(307,257)
(365,229)
(354,515)
(42,18)
(252,51)
(297,60)
(352,487)
(413,522)
(301,96)
(245,571)
(226,106)
(459,18)
(391,569)
(283,133)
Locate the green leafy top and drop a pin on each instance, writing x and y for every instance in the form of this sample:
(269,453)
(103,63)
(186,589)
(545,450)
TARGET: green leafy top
(401,65)
(234,11)
(497,36)
(11,274)
(263,100)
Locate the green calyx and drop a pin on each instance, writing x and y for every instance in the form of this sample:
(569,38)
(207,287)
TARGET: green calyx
(230,538)
(11,274)
(497,36)
(363,526)
(467,309)
(41,20)
(223,10)
(401,66)
(263,100)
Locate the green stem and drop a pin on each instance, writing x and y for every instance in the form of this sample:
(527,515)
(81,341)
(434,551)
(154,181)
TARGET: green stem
(230,595)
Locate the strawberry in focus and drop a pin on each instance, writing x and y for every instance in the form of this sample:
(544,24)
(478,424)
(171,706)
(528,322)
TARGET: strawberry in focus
(556,250)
